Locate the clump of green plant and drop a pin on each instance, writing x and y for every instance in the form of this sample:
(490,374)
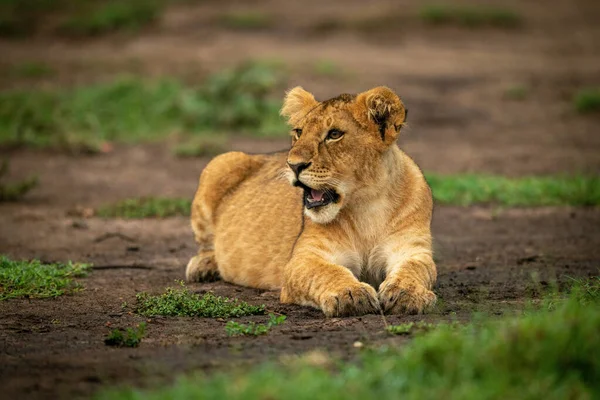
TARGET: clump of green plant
(246,20)
(183,303)
(111,16)
(34,279)
(14,191)
(253,329)
(585,291)
(131,337)
(126,109)
(470,16)
(238,100)
(516,92)
(147,207)
(202,146)
(22,17)
(33,69)
(587,100)
(540,354)
(527,191)
(409,327)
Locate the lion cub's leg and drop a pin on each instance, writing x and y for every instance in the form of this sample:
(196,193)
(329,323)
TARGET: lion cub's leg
(202,268)
(221,176)
(411,274)
(312,281)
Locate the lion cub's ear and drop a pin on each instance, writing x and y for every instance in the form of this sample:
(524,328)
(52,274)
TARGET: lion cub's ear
(296,104)
(381,108)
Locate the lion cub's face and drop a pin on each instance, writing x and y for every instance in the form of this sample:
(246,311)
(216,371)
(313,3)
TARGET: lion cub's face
(338,145)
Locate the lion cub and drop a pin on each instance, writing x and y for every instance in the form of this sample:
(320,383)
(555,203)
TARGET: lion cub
(350,235)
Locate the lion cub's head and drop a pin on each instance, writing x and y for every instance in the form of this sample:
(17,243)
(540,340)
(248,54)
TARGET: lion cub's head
(338,145)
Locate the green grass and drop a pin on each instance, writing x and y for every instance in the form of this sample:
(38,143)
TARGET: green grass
(516,92)
(148,207)
(238,100)
(528,191)
(548,352)
(409,327)
(32,69)
(470,16)
(76,17)
(253,329)
(131,337)
(587,100)
(13,191)
(34,279)
(105,17)
(202,146)
(246,20)
(183,303)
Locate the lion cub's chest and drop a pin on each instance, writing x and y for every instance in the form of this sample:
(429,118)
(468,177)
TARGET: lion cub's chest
(360,246)
(367,267)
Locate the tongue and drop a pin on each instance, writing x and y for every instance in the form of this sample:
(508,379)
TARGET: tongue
(317,195)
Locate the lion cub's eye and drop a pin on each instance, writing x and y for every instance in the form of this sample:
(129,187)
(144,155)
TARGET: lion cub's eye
(334,134)
(297,132)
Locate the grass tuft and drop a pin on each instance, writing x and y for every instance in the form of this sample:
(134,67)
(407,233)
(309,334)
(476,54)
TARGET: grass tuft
(246,20)
(111,16)
(586,291)
(470,16)
(587,100)
(131,337)
(34,279)
(465,190)
(540,354)
(148,207)
(517,92)
(410,327)
(33,69)
(183,303)
(79,18)
(131,110)
(14,191)
(252,329)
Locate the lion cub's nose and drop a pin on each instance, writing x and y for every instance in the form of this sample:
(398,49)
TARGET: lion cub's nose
(297,168)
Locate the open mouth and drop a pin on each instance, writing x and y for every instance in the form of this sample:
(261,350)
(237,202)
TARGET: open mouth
(317,198)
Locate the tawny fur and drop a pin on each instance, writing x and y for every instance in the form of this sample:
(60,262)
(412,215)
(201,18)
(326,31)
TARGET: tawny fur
(369,251)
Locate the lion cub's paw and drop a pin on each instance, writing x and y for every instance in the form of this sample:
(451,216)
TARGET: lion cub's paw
(357,299)
(202,268)
(405,297)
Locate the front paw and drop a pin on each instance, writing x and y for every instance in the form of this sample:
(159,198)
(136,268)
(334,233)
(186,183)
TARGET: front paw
(356,299)
(405,296)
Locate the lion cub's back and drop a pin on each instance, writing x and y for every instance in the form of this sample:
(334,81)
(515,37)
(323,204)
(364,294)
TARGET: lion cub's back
(256,226)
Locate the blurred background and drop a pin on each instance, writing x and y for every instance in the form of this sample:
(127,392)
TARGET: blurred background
(503,87)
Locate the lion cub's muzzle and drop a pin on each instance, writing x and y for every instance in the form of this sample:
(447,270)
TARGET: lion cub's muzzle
(314,198)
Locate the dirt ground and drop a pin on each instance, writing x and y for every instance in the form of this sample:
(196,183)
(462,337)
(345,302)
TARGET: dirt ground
(453,81)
